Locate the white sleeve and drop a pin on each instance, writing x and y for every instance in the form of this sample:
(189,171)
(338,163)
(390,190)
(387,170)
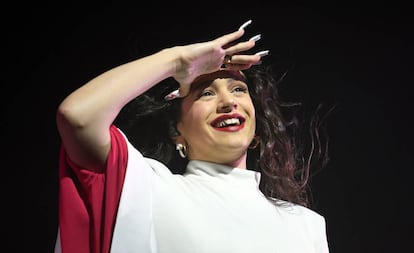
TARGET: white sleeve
(322,244)
(134,224)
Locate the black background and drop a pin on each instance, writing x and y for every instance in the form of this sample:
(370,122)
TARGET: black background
(355,56)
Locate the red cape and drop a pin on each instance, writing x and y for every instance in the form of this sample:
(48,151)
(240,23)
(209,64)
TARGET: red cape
(88,200)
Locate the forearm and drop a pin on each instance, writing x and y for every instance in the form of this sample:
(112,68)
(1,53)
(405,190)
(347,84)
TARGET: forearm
(85,115)
(100,100)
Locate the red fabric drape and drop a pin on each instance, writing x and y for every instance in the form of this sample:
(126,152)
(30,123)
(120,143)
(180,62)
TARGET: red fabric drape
(88,200)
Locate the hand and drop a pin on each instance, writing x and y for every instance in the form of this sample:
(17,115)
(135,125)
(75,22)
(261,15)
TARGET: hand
(207,57)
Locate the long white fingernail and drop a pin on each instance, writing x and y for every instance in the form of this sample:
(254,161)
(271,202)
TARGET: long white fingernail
(172,95)
(262,53)
(245,24)
(256,38)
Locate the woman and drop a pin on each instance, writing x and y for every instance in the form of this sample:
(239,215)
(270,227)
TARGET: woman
(231,183)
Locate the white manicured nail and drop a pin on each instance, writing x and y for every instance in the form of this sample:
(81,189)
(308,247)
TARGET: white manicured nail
(245,24)
(256,38)
(262,53)
(172,95)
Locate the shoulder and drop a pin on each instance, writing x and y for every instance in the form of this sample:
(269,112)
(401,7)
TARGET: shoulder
(137,160)
(311,222)
(307,214)
(157,165)
(314,218)
(311,215)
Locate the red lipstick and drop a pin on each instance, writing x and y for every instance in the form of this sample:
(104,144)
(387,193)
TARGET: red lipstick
(228,122)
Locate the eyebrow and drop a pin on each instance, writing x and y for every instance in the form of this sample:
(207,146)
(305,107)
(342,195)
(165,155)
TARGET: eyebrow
(206,83)
(206,80)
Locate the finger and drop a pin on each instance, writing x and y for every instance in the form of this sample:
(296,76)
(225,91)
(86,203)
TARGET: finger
(228,38)
(178,93)
(225,40)
(246,58)
(256,38)
(240,47)
(241,61)
(262,53)
(245,24)
(172,95)
(184,90)
(235,67)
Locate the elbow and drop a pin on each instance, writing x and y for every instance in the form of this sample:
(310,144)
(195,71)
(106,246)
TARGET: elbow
(68,115)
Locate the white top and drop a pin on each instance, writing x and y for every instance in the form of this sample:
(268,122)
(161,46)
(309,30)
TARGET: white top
(211,208)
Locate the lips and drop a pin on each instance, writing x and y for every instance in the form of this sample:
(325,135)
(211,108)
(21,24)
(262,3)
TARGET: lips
(228,122)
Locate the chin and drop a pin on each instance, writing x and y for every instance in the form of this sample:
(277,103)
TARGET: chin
(237,148)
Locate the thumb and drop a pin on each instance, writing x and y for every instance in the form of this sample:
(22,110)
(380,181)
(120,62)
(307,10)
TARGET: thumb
(184,90)
(178,93)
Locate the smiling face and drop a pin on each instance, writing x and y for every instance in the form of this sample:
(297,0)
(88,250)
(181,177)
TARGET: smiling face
(218,119)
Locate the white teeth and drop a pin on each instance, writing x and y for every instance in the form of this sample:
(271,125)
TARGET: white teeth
(226,122)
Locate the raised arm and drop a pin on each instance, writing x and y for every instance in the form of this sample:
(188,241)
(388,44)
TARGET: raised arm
(84,117)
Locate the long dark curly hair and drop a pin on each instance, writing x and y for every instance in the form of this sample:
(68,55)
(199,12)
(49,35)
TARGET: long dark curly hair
(283,155)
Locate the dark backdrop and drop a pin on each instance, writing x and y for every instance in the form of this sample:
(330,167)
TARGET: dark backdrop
(358,58)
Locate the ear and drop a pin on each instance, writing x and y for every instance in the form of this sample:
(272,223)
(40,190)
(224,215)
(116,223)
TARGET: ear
(175,134)
(178,139)
(173,131)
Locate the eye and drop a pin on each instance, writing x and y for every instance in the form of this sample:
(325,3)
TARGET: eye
(240,89)
(206,93)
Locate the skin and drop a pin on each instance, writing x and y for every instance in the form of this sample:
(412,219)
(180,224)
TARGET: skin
(84,116)
(215,95)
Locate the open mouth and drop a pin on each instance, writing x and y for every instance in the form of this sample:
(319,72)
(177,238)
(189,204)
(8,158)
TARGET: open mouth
(228,121)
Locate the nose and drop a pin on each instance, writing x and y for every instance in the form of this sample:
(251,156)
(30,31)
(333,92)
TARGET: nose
(227,104)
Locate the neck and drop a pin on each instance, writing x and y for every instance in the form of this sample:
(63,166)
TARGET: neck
(239,163)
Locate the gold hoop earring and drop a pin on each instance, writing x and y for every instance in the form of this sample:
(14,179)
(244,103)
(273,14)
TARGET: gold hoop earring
(182,150)
(255,142)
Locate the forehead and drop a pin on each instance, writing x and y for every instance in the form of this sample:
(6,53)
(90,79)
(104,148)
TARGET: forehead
(205,80)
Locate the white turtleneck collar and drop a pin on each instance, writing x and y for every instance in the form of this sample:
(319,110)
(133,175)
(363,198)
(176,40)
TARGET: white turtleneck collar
(226,173)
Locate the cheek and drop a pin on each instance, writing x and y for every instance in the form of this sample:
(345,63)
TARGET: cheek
(249,108)
(192,117)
